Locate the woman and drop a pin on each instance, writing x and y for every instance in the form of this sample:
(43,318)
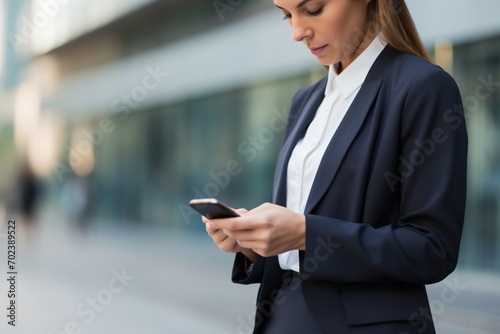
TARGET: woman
(369,189)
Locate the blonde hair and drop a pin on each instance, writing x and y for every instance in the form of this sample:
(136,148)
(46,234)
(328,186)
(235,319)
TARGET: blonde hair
(393,19)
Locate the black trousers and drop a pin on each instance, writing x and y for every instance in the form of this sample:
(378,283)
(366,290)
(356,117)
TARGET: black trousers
(290,314)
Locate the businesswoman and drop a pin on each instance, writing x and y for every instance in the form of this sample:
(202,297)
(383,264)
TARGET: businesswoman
(369,190)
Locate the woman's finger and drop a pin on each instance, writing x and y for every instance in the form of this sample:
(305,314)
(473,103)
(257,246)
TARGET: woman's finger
(228,245)
(241,211)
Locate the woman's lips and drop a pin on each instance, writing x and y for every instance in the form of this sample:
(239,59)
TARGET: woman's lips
(318,51)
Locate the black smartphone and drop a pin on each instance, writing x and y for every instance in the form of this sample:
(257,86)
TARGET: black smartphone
(212,208)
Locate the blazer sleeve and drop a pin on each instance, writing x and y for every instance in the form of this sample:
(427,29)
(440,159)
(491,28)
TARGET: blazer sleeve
(245,272)
(422,246)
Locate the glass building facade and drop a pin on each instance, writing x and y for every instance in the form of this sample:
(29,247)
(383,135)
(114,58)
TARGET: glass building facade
(477,70)
(153,162)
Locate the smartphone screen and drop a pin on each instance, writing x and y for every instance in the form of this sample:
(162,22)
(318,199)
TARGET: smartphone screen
(212,208)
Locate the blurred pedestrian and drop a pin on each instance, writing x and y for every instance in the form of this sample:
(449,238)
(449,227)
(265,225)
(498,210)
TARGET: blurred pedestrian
(28,189)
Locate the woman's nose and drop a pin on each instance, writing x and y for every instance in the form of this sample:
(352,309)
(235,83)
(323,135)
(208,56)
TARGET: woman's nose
(300,30)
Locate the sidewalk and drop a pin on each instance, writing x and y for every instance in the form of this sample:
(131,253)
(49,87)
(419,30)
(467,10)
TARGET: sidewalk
(467,302)
(141,281)
(134,282)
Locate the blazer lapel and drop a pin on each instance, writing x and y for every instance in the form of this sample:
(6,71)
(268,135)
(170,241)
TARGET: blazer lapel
(341,141)
(349,128)
(305,118)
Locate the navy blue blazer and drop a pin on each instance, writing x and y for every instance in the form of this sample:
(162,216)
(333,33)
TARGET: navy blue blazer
(386,209)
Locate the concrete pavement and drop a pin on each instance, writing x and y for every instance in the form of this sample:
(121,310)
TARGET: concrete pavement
(131,280)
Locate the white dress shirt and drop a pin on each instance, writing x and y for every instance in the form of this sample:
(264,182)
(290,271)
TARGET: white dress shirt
(341,89)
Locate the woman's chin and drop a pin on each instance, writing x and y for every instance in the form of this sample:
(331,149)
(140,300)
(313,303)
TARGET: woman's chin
(326,61)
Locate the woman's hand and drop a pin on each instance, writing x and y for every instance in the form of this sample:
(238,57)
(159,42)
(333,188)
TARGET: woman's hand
(267,230)
(226,243)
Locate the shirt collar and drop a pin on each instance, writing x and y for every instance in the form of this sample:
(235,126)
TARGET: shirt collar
(352,77)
